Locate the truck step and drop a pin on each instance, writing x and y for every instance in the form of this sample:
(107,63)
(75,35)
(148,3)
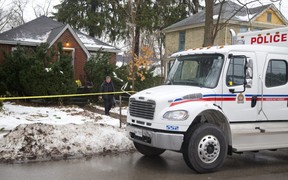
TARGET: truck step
(259,141)
(259,136)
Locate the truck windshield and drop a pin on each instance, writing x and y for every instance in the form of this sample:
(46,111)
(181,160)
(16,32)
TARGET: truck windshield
(196,70)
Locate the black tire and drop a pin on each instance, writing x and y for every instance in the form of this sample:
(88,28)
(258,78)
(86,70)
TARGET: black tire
(205,148)
(147,150)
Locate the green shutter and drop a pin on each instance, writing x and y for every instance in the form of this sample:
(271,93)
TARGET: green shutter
(181,41)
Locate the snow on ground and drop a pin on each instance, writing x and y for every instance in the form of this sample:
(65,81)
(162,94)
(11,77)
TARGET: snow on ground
(13,115)
(115,110)
(43,133)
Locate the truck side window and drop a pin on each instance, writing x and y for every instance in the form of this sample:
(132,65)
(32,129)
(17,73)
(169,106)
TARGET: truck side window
(235,75)
(276,74)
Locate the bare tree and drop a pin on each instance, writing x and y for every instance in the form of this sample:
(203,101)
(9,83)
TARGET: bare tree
(280,3)
(18,11)
(5,16)
(42,9)
(12,13)
(213,27)
(193,6)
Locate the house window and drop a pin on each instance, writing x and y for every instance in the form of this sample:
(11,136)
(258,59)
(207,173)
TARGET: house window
(276,74)
(269,17)
(181,40)
(243,29)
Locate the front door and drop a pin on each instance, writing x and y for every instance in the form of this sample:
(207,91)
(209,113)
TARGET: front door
(70,52)
(239,102)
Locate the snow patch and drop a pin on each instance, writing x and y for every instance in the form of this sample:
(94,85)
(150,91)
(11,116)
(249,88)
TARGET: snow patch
(215,16)
(13,115)
(120,64)
(38,39)
(157,71)
(98,46)
(44,142)
(247,17)
(90,43)
(44,133)
(48,69)
(116,110)
(85,39)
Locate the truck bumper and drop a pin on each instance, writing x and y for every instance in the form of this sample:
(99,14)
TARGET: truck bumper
(162,140)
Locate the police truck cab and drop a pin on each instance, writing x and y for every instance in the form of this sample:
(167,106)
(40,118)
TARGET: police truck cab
(216,101)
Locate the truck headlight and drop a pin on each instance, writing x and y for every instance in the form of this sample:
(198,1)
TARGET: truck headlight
(176,115)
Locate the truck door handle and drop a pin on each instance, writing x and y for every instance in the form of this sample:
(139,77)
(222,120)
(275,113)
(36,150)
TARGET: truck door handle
(253,101)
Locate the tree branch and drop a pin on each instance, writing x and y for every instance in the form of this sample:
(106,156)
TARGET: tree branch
(243,5)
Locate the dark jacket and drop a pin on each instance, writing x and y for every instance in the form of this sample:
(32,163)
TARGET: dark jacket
(107,87)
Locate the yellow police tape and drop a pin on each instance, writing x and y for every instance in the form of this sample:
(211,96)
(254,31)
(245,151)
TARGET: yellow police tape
(61,96)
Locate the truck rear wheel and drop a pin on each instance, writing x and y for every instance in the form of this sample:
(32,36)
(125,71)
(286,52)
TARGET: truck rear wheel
(205,148)
(147,150)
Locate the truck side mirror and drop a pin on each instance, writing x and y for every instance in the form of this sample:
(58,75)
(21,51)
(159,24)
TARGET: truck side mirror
(249,73)
(236,75)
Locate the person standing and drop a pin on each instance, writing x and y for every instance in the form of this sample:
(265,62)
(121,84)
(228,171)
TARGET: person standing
(106,87)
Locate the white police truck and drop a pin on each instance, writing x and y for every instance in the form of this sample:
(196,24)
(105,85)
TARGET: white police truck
(216,101)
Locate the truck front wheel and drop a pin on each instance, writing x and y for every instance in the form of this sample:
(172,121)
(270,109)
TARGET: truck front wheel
(205,148)
(147,150)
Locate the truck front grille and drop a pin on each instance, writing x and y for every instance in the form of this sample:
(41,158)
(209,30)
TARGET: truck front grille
(142,109)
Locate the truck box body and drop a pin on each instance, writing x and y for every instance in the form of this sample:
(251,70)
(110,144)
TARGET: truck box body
(270,37)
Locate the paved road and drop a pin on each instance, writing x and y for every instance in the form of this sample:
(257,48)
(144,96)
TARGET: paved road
(262,166)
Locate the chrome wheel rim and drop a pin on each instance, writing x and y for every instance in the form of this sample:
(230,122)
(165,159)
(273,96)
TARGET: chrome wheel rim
(208,149)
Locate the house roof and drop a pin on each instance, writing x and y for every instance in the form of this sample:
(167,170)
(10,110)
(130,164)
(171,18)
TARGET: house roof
(47,30)
(230,11)
(37,30)
(93,44)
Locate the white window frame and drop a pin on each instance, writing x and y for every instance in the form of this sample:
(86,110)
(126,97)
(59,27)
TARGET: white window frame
(73,53)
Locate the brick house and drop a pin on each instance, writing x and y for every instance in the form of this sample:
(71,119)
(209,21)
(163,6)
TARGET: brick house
(45,30)
(189,33)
